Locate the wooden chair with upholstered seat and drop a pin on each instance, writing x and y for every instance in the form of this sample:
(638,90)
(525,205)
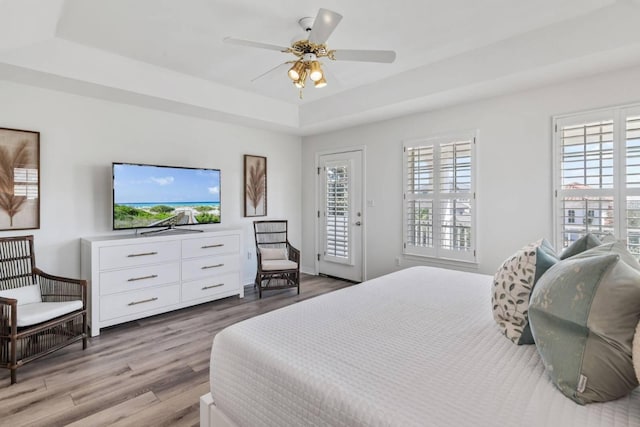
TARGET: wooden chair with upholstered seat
(39,313)
(278,260)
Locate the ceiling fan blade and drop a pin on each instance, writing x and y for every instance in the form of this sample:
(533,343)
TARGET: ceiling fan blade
(282,67)
(386,56)
(324,24)
(249,43)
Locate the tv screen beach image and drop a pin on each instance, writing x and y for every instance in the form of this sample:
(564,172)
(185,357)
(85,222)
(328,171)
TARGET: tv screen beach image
(163,196)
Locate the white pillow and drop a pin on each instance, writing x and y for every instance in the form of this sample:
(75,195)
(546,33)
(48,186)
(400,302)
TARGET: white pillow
(24,294)
(273,253)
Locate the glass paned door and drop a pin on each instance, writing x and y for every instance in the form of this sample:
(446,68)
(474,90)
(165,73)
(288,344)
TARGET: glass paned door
(340,215)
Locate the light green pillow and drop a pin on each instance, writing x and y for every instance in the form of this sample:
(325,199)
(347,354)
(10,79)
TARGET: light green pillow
(583,314)
(512,285)
(584,243)
(613,247)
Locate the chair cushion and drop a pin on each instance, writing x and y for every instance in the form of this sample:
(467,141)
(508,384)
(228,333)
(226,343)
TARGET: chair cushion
(273,253)
(38,312)
(24,294)
(279,264)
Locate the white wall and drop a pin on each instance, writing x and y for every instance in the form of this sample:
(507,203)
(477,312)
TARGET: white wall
(514,174)
(80,138)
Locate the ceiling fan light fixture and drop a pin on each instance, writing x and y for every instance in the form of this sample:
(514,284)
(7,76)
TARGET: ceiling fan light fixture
(320,83)
(300,82)
(296,71)
(315,71)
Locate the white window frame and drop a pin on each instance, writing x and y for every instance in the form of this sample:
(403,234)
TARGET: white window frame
(619,193)
(468,256)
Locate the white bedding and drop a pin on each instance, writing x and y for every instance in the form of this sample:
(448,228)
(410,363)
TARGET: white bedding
(418,347)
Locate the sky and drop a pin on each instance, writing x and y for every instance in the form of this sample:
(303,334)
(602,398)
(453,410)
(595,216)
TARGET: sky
(151,184)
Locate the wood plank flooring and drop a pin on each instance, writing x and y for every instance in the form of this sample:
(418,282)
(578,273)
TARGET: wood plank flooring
(149,372)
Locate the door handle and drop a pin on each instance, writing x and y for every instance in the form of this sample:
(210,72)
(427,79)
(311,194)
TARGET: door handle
(358,223)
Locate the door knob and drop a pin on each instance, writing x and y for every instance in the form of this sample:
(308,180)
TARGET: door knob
(358,223)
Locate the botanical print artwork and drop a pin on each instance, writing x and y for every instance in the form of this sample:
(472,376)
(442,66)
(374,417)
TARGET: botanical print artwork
(255,186)
(19,179)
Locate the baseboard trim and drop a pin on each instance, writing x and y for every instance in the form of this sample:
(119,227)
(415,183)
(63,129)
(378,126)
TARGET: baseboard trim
(307,271)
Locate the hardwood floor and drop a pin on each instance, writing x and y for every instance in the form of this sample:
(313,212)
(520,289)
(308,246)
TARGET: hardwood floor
(149,372)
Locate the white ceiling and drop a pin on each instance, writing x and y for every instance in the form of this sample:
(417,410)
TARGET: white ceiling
(169,54)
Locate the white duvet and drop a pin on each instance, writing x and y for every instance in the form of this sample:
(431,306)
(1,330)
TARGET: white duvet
(418,347)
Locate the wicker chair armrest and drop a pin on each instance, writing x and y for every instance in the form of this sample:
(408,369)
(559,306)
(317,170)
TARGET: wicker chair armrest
(294,254)
(8,301)
(8,316)
(58,289)
(259,259)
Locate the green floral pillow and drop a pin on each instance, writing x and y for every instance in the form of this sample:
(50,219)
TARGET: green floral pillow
(583,314)
(512,285)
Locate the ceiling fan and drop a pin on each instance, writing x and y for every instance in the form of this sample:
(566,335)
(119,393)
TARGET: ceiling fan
(312,47)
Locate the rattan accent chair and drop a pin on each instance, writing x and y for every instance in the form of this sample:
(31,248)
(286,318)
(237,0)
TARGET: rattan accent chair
(39,313)
(278,260)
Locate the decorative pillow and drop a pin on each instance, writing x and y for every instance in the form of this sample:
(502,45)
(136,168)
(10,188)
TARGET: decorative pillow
(24,294)
(636,352)
(613,247)
(584,243)
(583,314)
(273,253)
(512,285)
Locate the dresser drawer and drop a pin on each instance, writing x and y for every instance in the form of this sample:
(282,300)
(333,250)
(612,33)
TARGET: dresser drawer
(128,303)
(139,254)
(130,279)
(203,288)
(212,245)
(209,266)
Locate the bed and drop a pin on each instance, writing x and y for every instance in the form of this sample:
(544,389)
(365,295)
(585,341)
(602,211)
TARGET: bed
(417,347)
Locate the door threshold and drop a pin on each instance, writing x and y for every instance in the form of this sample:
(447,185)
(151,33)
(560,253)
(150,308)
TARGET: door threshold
(338,278)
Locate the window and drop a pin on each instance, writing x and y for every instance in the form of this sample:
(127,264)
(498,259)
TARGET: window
(597,175)
(439,197)
(337,211)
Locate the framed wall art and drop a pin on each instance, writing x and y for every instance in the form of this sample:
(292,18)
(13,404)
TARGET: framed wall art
(255,186)
(19,179)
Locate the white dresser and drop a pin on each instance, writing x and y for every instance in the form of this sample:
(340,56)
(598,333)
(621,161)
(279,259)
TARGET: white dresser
(131,277)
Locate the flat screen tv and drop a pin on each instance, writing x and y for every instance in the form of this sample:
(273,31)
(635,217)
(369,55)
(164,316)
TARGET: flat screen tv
(147,196)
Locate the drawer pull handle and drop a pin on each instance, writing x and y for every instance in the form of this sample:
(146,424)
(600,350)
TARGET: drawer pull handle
(133,279)
(218,245)
(143,301)
(142,254)
(212,286)
(212,266)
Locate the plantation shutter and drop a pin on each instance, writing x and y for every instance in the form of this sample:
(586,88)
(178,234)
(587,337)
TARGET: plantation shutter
(337,212)
(439,197)
(597,164)
(632,179)
(586,194)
